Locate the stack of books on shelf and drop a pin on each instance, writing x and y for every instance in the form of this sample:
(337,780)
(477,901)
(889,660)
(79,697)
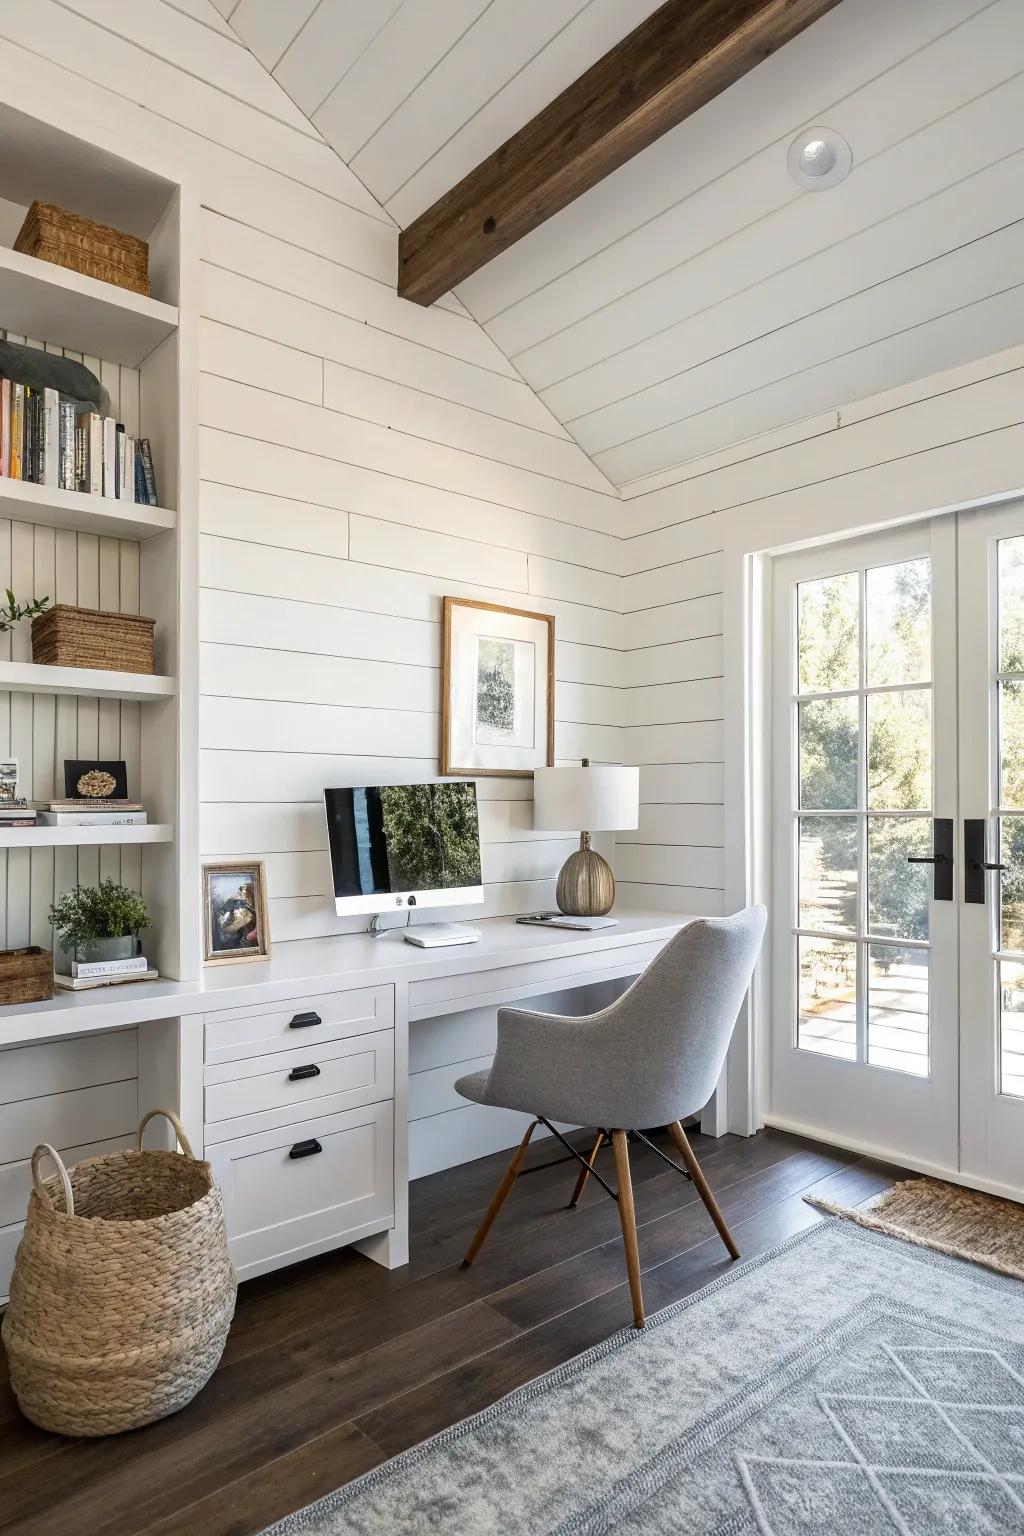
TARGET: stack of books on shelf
(52,441)
(91,813)
(87,974)
(17,813)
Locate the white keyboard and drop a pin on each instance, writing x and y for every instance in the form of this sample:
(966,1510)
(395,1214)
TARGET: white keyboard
(437,935)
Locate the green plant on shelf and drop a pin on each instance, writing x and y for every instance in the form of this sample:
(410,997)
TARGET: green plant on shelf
(90,912)
(14,612)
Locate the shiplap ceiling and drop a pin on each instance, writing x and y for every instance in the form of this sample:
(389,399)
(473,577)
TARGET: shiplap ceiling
(698,297)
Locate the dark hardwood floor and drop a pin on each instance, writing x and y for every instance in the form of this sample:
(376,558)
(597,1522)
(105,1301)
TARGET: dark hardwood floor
(336,1364)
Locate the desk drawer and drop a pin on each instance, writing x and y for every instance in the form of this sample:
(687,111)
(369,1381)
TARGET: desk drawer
(359,1070)
(297,1191)
(235,1033)
(514,982)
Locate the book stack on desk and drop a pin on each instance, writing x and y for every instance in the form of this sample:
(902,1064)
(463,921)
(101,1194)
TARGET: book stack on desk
(85,975)
(91,813)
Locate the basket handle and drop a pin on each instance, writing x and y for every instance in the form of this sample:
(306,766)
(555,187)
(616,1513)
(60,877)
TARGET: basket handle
(45,1150)
(179,1130)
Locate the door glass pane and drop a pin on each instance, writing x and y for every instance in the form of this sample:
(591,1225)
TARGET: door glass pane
(898,621)
(828,872)
(828,754)
(1011,605)
(1011,1054)
(898,1009)
(828,634)
(1011,744)
(898,892)
(1011,883)
(900,751)
(827,1019)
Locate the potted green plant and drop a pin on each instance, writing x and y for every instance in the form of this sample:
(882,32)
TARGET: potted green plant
(98,922)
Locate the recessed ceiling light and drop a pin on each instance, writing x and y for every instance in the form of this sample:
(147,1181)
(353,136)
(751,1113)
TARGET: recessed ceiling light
(819,158)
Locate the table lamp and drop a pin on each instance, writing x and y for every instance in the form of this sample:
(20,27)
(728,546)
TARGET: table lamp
(602,799)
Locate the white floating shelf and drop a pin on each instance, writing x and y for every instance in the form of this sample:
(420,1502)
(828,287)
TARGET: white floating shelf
(80,313)
(26,502)
(84,682)
(84,837)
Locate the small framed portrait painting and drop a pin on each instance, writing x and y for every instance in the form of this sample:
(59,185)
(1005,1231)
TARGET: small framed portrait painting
(497,690)
(235,912)
(9,781)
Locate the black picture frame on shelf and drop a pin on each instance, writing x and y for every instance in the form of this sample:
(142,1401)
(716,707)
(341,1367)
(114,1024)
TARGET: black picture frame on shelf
(77,772)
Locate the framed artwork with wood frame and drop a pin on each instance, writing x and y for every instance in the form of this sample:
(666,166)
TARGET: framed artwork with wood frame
(497,690)
(235,912)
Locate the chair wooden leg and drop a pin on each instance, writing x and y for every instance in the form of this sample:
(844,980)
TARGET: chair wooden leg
(703,1189)
(581,1182)
(500,1195)
(627,1216)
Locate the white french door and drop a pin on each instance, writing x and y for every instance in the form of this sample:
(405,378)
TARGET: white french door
(898,960)
(991,583)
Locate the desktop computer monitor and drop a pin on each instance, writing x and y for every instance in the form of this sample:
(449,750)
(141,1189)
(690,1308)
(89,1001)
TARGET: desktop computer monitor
(395,846)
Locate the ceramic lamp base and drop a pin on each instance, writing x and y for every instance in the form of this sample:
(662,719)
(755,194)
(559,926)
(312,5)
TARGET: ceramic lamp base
(586,885)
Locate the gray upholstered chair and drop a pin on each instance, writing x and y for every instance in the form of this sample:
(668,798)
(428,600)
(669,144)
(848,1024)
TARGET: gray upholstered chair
(651,1059)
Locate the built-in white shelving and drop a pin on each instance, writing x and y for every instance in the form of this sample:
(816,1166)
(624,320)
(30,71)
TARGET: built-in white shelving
(85,682)
(45,504)
(89,316)
(84,837)
(104,553)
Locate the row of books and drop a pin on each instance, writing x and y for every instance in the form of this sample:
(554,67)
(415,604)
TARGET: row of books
(50,441)
(86,974)
(73,813)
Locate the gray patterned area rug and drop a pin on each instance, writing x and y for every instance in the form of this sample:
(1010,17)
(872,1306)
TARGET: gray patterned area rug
(844,1384)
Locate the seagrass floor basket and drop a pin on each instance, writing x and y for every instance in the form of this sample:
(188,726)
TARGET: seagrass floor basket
(123,1291)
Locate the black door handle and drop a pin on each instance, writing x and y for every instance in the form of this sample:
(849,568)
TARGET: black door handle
(305,1020)
(298,1073)
(976,863)
(308,1148)
(941,858)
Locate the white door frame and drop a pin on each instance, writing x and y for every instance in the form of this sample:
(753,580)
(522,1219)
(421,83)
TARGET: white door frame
(753,537)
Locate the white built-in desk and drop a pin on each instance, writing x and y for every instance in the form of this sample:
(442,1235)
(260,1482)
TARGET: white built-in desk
(291,1073)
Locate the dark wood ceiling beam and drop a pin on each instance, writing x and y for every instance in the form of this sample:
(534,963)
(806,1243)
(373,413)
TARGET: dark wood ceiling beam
(684,54)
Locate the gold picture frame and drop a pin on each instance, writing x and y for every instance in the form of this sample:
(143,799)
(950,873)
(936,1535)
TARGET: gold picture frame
(514,680)
(234,890)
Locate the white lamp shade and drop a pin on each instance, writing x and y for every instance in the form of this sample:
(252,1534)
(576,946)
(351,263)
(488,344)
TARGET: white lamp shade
(596,799)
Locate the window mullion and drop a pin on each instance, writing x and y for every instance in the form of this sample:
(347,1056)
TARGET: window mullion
(862,829)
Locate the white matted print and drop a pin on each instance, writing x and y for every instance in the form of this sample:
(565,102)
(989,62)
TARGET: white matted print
(497,705)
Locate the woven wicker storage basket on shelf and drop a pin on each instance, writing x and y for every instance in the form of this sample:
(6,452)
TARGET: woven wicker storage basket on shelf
(123,1291)
(26,975)
(65,636)
(66,239)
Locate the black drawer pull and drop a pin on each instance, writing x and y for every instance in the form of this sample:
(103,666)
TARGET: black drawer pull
(298,1073)
(308,1148)
(305,1020)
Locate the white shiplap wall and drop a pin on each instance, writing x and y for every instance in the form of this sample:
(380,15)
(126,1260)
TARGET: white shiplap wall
(951,438)
(359,458)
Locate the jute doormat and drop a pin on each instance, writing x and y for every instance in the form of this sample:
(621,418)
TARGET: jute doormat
(961,1222)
